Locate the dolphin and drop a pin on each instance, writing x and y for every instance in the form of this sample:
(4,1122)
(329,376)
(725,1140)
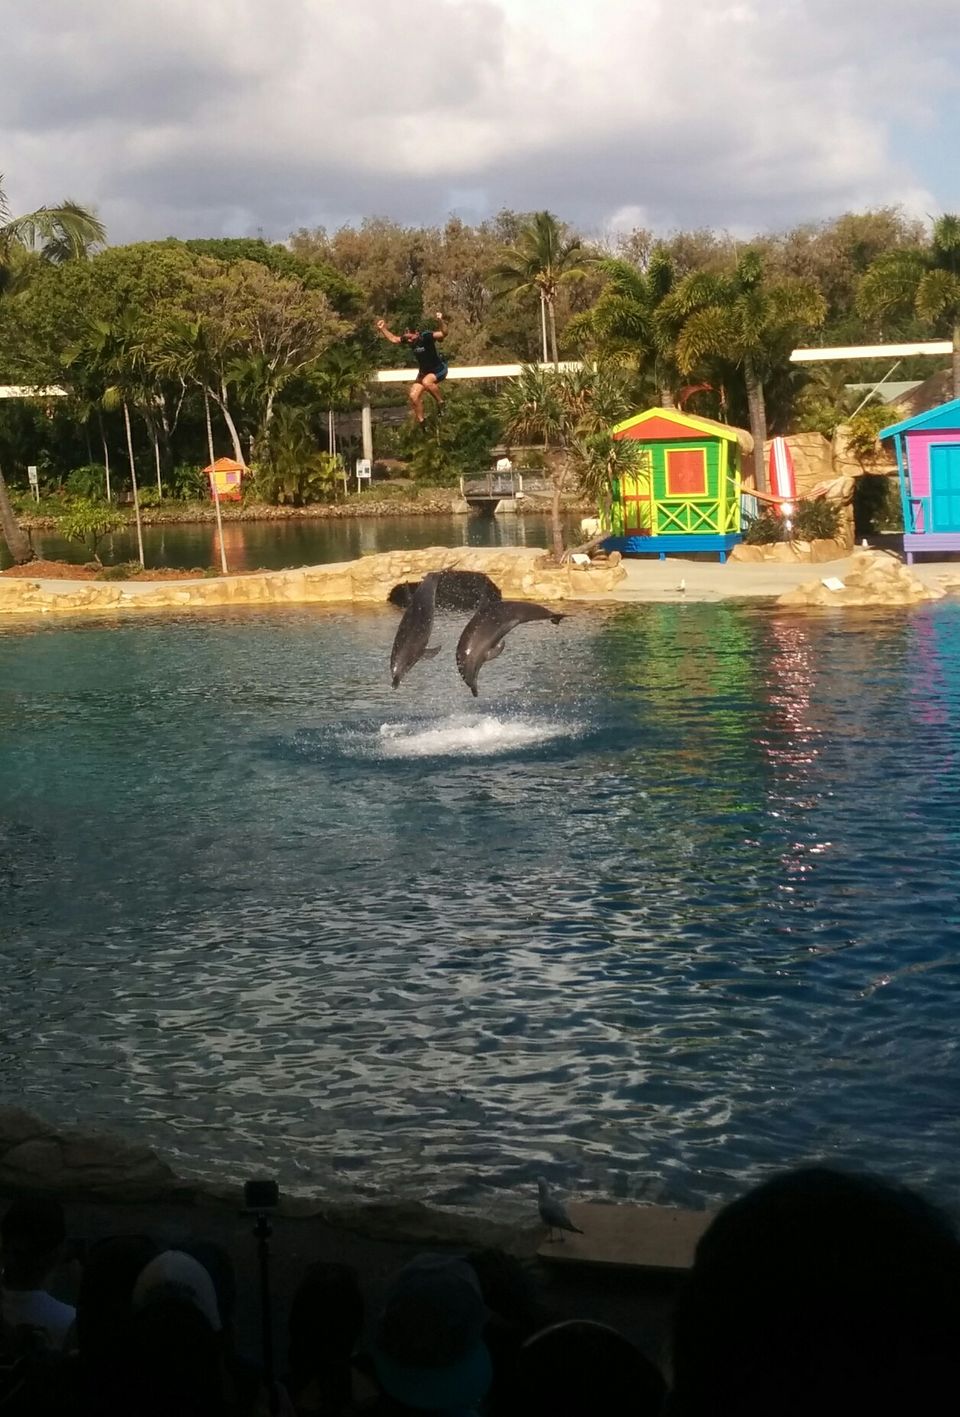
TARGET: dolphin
(414,631)
(482,638)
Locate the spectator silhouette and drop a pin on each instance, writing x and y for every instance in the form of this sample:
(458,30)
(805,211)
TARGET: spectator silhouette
(820,1293)
(326,1321)
(32,1233)
(584,1369)
(428,1348)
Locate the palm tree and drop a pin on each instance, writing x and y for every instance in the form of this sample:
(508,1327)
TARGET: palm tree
(542,405)
(924,280)
(52,235)
(544,258)
(739,318)
(623,324)
(338,380)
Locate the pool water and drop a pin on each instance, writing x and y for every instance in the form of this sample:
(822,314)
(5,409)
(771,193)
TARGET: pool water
(673,903)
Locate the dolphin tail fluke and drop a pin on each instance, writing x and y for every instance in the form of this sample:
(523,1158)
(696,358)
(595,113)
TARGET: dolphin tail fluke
(432,652)
(475,691)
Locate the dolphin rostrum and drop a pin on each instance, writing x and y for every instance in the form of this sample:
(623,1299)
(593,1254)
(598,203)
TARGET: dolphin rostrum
(482,639)
(414,631)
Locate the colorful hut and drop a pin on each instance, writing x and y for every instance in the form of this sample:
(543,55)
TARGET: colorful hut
(685,494)
(227,476)
(928,465)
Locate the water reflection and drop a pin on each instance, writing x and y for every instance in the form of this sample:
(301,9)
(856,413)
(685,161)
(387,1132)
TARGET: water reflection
(272,545)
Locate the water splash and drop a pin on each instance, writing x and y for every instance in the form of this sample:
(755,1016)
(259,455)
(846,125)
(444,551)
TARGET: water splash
(465,736)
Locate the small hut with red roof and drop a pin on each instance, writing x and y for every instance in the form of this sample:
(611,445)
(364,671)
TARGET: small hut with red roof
(227,476)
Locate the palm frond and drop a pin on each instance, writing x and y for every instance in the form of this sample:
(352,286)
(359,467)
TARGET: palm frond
(938,296)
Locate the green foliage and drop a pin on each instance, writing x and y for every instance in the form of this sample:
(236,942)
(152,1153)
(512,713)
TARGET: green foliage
(88,481)
(122,571)
(816,520)
(765,530)
(863,440)
(190,483)
(293,471)
(88,523)
(345,297)
(148,497)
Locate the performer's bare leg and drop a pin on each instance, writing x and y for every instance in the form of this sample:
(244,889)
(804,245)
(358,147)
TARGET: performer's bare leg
(416,399)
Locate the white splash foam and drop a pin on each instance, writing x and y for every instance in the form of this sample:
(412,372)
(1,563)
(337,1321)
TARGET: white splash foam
(465,737)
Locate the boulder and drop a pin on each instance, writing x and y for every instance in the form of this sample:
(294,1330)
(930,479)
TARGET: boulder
(65,1161)
(875,578)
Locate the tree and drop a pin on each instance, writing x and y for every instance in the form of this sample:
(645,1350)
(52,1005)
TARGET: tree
(740,319)
(89,522)
(544,258)
(560,408)
(53,235)
(623,324)
(924,279)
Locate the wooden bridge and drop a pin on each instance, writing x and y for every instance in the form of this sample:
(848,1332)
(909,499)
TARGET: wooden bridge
(501,492)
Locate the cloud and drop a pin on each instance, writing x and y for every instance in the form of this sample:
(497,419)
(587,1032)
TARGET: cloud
(233,116)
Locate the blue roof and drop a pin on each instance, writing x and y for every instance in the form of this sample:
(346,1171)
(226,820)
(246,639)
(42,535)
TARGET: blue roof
(946,415)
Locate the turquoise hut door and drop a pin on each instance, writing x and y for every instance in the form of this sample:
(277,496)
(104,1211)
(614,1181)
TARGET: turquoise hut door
(945,488)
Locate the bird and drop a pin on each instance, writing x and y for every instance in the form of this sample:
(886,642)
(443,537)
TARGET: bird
(553,1213)
(682,586)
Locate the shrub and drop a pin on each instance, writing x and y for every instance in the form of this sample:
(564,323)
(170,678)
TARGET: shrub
(817,520)
(189,483)
(876,505)
(863,430)
(88,481)
(765,530)
(148,497)
(122,571)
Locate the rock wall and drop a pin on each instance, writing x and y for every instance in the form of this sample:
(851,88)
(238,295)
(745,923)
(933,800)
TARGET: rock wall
(521,573)
(876,578)
(36,1156)
(790,553)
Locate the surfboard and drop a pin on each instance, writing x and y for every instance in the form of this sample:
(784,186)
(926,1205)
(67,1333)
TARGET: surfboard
(783,479)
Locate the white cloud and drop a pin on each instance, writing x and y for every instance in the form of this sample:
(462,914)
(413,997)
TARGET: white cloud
(234,116)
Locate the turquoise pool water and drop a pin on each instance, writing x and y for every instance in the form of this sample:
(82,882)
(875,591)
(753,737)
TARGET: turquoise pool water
(673,903)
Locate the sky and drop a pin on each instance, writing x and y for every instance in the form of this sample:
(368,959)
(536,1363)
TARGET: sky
(247,117)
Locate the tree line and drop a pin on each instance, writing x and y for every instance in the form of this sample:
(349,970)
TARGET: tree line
(172,350)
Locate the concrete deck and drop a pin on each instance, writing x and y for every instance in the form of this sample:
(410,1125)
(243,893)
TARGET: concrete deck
(648,1237)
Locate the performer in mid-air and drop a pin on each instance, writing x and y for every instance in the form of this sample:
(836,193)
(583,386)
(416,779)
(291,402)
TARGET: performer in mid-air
(431,365)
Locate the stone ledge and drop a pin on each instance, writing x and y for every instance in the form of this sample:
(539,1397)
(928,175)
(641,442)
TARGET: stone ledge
(520,572)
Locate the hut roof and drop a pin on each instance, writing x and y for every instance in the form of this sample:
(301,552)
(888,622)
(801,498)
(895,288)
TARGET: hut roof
(692,423)
(933,392)
(944,416)
(225,465)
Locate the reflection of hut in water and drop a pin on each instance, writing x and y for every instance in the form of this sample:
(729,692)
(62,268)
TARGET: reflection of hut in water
(227,475)
(928,464)
(685,494)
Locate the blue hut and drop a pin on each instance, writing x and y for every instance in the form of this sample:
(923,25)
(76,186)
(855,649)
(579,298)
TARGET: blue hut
(928,464)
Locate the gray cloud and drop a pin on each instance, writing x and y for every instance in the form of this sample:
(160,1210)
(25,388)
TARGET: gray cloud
(233,117)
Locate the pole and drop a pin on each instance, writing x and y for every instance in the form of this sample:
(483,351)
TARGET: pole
(366,429)
(262,1230)
(213,484)
(543,326)
(133,480)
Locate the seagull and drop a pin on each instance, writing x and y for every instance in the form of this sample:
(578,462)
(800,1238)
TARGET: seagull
(553,1213)
(682,586)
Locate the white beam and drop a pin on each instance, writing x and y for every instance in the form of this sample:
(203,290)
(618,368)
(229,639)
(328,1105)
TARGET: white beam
(24,391)
(872,351)
(469,371)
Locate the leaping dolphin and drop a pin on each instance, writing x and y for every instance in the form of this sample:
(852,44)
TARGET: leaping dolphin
(414,631)
(482,638)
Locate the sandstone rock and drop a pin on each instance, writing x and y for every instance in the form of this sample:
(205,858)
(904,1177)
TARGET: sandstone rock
(518,571)
(875,578)
(66,1161)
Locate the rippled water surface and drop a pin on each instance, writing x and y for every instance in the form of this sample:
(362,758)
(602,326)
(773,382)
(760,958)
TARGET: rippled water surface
(675,901)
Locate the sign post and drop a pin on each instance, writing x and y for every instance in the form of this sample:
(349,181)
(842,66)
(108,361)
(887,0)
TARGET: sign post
(33,477)
(364,471)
